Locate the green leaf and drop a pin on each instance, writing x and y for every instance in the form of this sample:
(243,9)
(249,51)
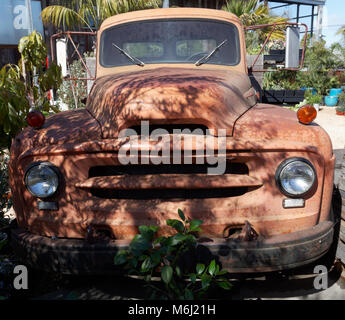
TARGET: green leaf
(226,285)
(156,257)
(166,274)
(212,268)
(178,238)
(194,224)
(180,213)
(192,277)
(120,258)
(176,224)
(222,272)
(146,265)
(189,294)
(147,278)
(205,281)
(148,232)
(200,267)
(178,271)
(139,245)
(159,240)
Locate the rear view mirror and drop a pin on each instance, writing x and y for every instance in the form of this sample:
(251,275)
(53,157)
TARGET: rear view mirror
(292,47)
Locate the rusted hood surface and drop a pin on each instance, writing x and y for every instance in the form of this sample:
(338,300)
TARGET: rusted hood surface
(214,98)
(69,127)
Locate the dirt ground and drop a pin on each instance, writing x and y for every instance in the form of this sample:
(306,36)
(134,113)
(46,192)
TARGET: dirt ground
(334,125)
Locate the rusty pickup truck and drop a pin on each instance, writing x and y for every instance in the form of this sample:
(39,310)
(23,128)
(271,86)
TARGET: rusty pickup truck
(85,180)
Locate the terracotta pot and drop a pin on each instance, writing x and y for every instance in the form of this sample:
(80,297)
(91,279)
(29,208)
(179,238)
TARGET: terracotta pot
(340,113)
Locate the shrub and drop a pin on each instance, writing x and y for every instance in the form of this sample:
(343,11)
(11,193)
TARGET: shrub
(149,255)
(312,98)
(25,86)
(340,108)
(341,100)
(5,195)
(74,92)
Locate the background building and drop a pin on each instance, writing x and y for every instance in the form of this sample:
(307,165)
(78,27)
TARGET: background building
(14,24)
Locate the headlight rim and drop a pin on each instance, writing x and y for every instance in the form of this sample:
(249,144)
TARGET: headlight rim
(285,163)
(51,166)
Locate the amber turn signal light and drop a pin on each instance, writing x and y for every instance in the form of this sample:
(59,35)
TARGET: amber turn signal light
(306,114)
(35,119)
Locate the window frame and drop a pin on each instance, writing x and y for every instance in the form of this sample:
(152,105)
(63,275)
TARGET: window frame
(237,41)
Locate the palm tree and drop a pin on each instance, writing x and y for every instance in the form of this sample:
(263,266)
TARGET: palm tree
(91,13)
(251,14)
(341,31)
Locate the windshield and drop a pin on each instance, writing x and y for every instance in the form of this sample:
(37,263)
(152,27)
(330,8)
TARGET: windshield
(170,41)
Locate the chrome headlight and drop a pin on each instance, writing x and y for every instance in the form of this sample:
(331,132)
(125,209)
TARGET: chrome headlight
(42,179)
(295,177)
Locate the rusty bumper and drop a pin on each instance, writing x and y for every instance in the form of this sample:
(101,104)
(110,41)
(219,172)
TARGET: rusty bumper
(75,256)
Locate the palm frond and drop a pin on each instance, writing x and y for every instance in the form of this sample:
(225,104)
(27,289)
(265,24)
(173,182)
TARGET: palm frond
(341,30)
(61,17)
(240,7)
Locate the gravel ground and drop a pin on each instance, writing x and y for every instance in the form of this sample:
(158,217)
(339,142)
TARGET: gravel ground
(334,125)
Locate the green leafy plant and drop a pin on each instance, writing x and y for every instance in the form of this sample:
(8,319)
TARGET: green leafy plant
(5,195)
(320,63)
(340,108)
(280,80)
(170,257)
(341,100)
(25,86)
(312,98)
(74,92)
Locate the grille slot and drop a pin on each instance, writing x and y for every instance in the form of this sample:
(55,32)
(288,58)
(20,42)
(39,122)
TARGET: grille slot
(103,171)
(147,194)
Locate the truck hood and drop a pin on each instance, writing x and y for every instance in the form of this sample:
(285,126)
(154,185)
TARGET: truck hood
(165,96)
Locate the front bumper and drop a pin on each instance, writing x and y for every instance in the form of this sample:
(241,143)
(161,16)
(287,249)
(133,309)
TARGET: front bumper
(76,256)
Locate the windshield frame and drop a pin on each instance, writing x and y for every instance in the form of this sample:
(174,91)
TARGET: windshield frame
(237,42)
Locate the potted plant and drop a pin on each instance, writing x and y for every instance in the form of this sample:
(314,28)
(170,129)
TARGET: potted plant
(313,99)
(340,110)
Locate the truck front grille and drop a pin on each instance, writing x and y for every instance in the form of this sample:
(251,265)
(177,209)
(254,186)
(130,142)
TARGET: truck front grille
(168,181)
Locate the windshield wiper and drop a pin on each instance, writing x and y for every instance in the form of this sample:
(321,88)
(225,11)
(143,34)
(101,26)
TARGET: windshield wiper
(204,59)
(133,59)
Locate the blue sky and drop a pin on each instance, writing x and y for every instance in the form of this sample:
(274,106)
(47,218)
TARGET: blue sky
(333,18)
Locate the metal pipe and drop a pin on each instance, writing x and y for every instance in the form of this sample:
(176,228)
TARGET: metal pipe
(80,57)
(29,16)
(312,24)
(262,48)
(284,5)
(166,4)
